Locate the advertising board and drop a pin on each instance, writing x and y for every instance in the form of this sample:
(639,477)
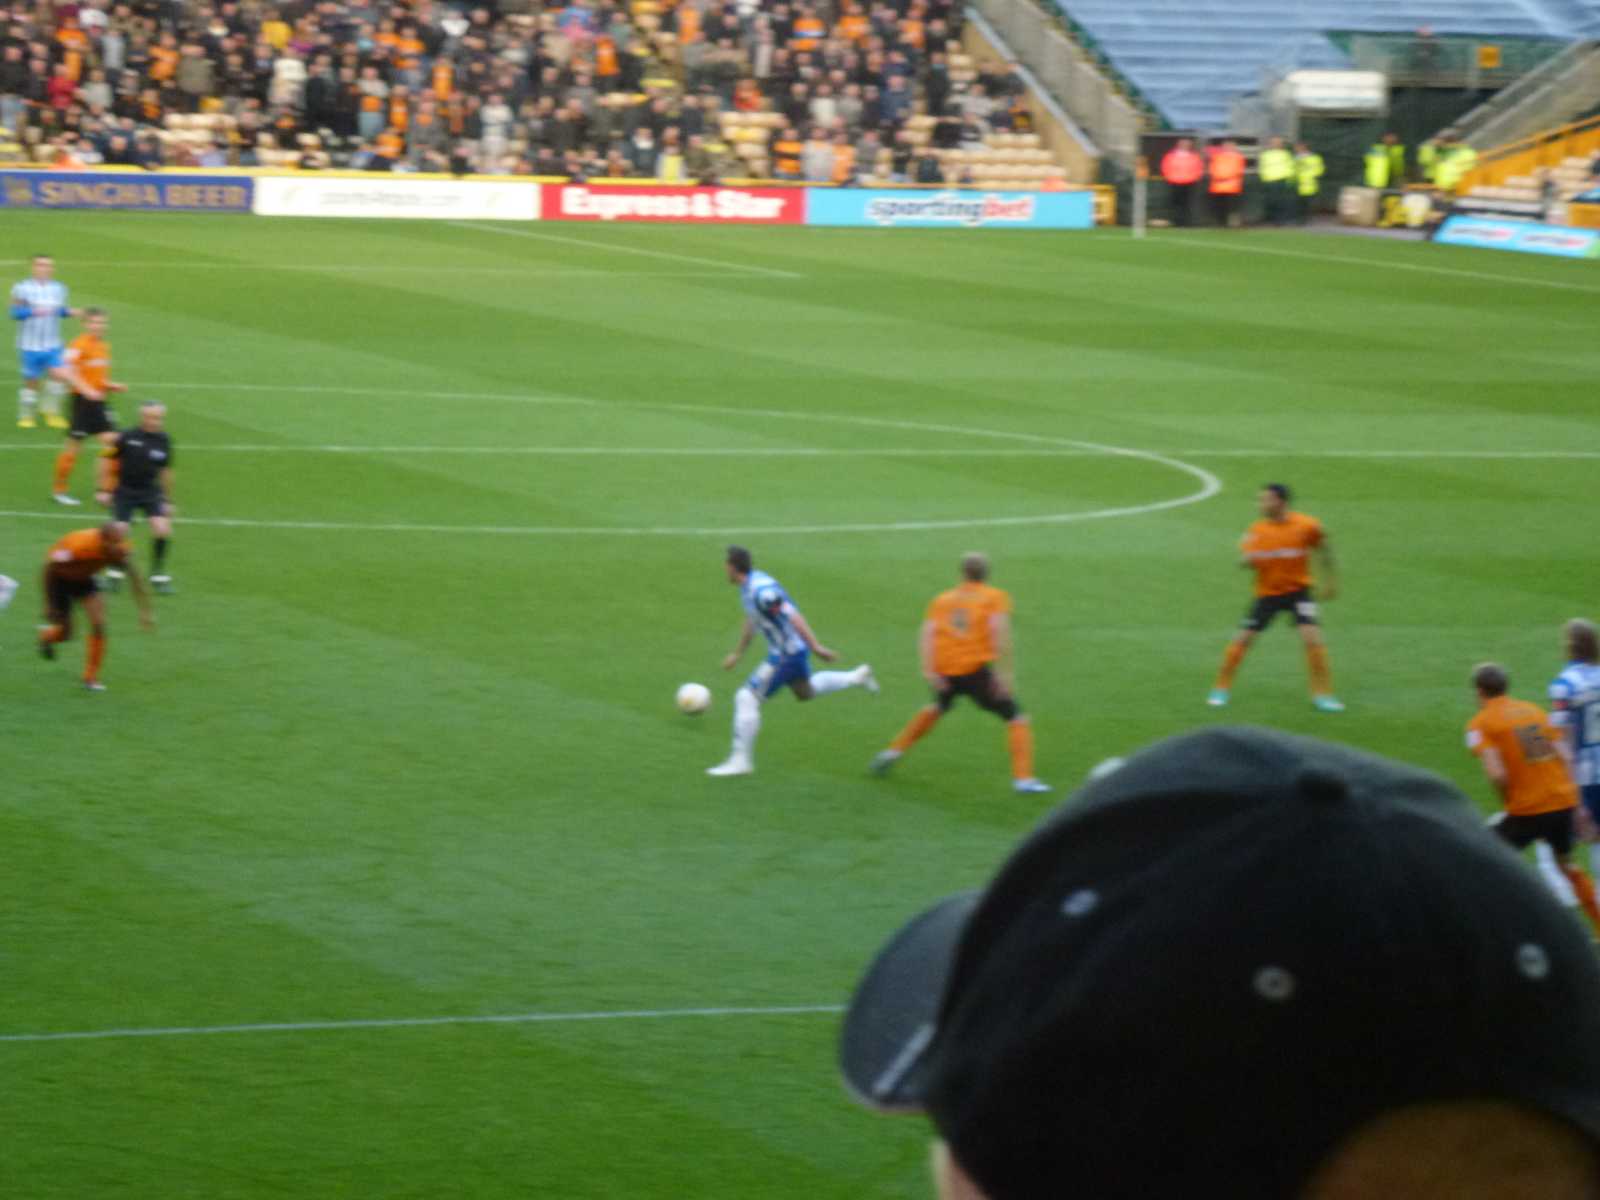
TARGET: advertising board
(380,195)
(934,209)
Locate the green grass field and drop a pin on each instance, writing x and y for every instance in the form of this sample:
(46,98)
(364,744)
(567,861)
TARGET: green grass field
(452,506)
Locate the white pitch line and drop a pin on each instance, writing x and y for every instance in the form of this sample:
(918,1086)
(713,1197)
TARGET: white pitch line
(643,1014)
(572,241)
(532,271)
(1426,268)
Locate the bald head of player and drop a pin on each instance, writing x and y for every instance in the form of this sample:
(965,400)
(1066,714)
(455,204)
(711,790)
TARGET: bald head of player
(1583,640)
(974,566)
(151,414)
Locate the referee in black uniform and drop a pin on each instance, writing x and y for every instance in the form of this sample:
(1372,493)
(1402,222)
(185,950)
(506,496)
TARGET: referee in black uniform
(143,483)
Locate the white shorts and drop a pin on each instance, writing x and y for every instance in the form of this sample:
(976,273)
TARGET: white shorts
(8,589)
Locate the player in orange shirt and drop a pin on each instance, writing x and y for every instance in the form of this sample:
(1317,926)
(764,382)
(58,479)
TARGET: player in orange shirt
(1525,756)
(69,576)
(88,367)
(1278,549)
(966,650)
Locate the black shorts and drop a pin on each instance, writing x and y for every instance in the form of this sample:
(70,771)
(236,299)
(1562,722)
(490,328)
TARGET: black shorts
(59,593)
(980,687)
(90,417)
(1557,828)
(1301,605)
(125,503)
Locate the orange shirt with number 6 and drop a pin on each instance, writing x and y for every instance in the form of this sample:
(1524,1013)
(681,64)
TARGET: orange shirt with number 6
(963,626)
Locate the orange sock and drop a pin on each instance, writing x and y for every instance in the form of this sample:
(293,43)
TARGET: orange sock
(1231,658)
(64,464)
(1584,887)
(55,633)
(1019,740)
(918,725)
(1317,666)
(97,654)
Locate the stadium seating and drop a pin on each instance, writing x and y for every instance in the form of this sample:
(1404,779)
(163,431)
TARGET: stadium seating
(1190,57)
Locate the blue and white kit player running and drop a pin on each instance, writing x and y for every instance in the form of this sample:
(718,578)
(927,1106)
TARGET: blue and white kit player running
(1575,708)
(790,645)
(37,305)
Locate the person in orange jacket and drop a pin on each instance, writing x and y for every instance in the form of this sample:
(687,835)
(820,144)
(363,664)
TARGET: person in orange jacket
(1227,182)
(1181,169)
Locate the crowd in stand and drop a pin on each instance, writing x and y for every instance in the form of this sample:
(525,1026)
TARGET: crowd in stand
(593,89)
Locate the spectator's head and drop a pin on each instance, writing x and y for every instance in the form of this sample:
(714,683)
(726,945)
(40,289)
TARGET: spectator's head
(1244,963)
(1275,143)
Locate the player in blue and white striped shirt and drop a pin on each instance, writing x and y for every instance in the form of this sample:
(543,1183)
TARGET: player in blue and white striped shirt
(790,644)
(1575,708)
(37,305)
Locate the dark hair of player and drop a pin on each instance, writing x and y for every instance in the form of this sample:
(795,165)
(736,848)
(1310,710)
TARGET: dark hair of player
(1583,640)
(1490,679)
(975,566)
(739,559)
(1280,490)
(93,312)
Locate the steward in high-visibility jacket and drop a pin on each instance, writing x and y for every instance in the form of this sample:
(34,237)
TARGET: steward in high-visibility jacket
(1375,166)
(1275,166)
(1396,150)
(1308,169)
(1428,159)
(1455,160)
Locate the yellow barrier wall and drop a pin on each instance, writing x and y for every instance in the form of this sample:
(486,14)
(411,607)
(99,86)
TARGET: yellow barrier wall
(1581,139)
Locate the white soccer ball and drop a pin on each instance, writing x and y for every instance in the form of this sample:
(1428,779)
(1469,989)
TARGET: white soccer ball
(694,699)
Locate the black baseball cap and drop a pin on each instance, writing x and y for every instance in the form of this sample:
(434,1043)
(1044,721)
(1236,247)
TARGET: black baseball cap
(1216,962)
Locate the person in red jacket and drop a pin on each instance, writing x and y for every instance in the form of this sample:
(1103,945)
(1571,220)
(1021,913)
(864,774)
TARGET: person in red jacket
(1227,183)
(1181,169)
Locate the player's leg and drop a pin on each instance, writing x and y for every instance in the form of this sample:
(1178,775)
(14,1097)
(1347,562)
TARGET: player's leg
(916,728)
(94,607)
(65,461)
(57,626)
(825,682)
(1019,738)
(747,702)
(28,393)
(55,391)
(1317,669)
(1590,793)
(1558,829)
(161,538)
(1255,620)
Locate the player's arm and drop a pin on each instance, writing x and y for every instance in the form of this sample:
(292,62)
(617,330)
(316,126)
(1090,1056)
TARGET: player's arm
(1005,660)
(141,596)
(1327,570)
(732,660)
(1494,766)
(69,374)
(810,639)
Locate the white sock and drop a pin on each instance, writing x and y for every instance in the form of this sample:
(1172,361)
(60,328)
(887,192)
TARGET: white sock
(746,722)
(54,390)
(824,682)
(25,402)
(1594,861)
(1553,878)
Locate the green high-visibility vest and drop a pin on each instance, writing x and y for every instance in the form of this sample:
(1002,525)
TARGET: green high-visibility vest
(1397,164)
(1453,164)
(1428,159)
(1377,167)
(1275,166)
(1308,170)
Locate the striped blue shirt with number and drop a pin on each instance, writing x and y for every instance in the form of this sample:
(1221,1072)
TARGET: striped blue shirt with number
(44,332)
(1575,706)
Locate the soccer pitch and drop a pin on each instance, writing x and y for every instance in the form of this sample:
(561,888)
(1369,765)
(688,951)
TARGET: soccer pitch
(402,760)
